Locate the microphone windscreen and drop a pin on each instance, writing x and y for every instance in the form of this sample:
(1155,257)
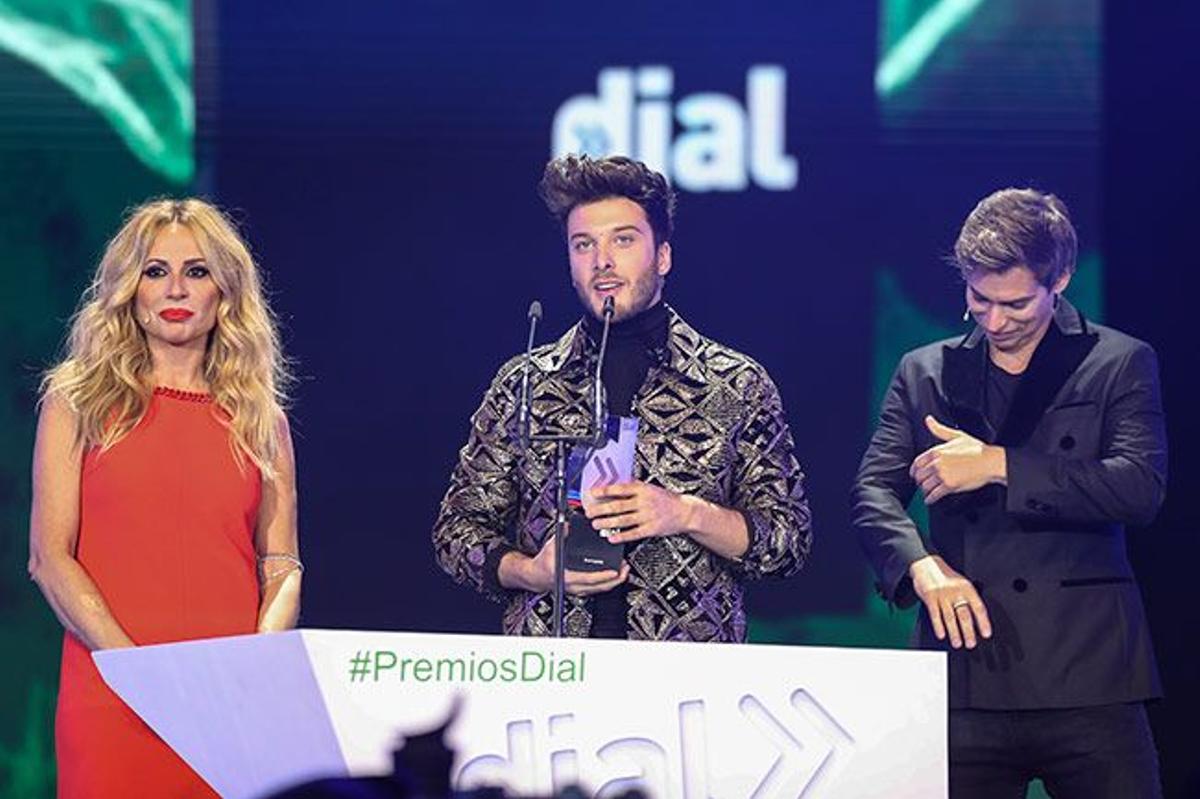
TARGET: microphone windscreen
(535,310)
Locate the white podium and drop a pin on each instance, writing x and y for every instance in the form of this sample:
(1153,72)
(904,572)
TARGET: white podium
(254,714)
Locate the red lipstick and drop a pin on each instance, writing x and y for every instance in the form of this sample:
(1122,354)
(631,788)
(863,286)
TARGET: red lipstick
(176,314)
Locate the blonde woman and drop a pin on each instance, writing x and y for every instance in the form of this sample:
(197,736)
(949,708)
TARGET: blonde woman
(164,500)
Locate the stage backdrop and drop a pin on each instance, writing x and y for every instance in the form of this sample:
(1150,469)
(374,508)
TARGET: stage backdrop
(383,159)
(384,163)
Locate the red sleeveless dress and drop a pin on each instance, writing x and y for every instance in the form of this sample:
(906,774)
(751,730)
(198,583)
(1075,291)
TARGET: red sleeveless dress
(166,531)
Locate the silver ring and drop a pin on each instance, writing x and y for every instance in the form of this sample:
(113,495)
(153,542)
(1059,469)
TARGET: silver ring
(961,602)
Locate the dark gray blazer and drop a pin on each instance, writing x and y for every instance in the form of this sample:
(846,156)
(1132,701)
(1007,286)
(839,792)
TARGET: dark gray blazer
(1087,454)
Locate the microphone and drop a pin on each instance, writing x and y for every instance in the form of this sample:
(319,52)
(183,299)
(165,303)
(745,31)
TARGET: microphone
(597,387)
(535,314)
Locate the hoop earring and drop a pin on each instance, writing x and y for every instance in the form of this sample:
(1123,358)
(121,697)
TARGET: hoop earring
(1057,300)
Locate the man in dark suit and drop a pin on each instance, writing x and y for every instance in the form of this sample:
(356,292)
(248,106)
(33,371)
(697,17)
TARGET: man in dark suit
(1034,440)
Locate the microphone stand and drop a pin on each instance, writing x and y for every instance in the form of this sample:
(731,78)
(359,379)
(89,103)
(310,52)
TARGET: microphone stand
(560,441)
(535,315)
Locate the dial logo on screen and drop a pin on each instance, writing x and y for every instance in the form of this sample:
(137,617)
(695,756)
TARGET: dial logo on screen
(723,145)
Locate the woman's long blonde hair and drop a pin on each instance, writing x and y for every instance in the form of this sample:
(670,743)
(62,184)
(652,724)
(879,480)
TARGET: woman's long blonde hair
(105,375)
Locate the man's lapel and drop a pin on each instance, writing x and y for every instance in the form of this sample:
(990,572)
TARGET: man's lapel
(1066,343)
(964,375)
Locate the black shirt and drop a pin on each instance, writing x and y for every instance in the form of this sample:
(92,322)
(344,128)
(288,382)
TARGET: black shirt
(634,345)
(1001,386)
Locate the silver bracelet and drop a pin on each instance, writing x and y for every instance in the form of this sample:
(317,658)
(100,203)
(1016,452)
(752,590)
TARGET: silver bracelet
(293,565)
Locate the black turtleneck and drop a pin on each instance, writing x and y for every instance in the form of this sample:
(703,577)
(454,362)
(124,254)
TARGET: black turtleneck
(634,345)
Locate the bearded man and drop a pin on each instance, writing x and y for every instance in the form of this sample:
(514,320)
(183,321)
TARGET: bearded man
(717,496)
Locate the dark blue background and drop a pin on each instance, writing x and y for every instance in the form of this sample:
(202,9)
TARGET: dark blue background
(384,160)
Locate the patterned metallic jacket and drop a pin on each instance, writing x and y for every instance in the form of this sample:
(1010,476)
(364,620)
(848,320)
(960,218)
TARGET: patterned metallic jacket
(711,425)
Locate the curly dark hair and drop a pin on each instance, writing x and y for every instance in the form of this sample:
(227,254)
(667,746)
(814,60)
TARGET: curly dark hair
(1018,227)
(574,180)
